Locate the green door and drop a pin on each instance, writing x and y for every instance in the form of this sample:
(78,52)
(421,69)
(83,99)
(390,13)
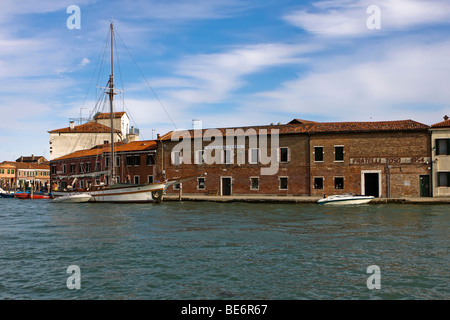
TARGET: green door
(425,186)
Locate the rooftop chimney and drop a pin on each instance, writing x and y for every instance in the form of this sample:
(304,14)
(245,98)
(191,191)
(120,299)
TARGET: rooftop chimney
(446,117)
(71,125)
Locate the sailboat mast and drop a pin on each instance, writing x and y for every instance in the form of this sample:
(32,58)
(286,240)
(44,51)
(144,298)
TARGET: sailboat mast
(111,98)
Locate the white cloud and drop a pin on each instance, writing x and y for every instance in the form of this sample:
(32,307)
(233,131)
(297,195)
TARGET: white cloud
(84,62)
(213,77)
(400,84)
(349,18)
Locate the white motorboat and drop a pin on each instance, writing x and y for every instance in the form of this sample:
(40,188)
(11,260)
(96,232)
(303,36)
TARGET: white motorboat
(74,198)
(348,198)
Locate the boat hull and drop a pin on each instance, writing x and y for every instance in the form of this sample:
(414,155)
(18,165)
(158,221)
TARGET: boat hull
(345,200)
(32,196)
(139,193)
(7,195)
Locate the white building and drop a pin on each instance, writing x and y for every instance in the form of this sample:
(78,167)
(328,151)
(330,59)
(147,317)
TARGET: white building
(440,152)
(85,136)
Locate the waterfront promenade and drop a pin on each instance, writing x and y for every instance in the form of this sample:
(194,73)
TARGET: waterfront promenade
(296,199)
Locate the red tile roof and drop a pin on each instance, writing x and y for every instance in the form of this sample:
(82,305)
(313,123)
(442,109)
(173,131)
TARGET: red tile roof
(107,115)
(105,148)
(88,127)
(443,124)
(311,127)
(401,125)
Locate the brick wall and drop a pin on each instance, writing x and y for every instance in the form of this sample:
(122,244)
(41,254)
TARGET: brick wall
(398,158)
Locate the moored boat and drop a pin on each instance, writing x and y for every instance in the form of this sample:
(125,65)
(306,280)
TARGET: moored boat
(344,199)
(5,194)
(27,195)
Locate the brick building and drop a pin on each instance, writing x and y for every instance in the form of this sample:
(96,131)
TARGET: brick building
(384,159)
(134,163)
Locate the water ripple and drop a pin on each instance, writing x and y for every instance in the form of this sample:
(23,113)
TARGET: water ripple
(188,250)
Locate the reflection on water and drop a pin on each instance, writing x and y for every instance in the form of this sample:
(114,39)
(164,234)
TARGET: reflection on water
(200,250)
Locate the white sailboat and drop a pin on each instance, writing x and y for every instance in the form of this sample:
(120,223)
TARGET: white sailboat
(113,192)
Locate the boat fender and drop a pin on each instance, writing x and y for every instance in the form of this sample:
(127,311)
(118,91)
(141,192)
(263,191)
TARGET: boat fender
(157,195)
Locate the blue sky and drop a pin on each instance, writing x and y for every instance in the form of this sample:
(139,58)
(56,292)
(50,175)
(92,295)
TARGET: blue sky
(225,62)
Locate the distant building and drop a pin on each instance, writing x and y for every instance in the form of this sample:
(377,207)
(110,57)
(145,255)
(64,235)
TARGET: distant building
(96,132)
(24,174)
(33,159)
(7,175)
(440,142)
(33,174)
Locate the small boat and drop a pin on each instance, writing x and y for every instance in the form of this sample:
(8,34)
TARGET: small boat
(5,194)
(73,198)
(347,198)
(27,195)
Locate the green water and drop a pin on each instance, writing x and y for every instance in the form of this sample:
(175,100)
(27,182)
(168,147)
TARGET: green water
(201,250)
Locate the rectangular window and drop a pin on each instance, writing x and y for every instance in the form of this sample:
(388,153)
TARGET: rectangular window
(443,179)
(150,159)
(97,166)
(149,179)
(117,161)
(318,183)
(53,169)
(339,183)
(338,153)
(201,183)
(136,179)
(81,168)
(176,186)
(129,160)
(442,147)
(64,168)
(133,160)
(176,158)
(87,167)
(72,168)
(283,183)
(284,154)
(318,154)
(253,156)
(106,162)
(254,183)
